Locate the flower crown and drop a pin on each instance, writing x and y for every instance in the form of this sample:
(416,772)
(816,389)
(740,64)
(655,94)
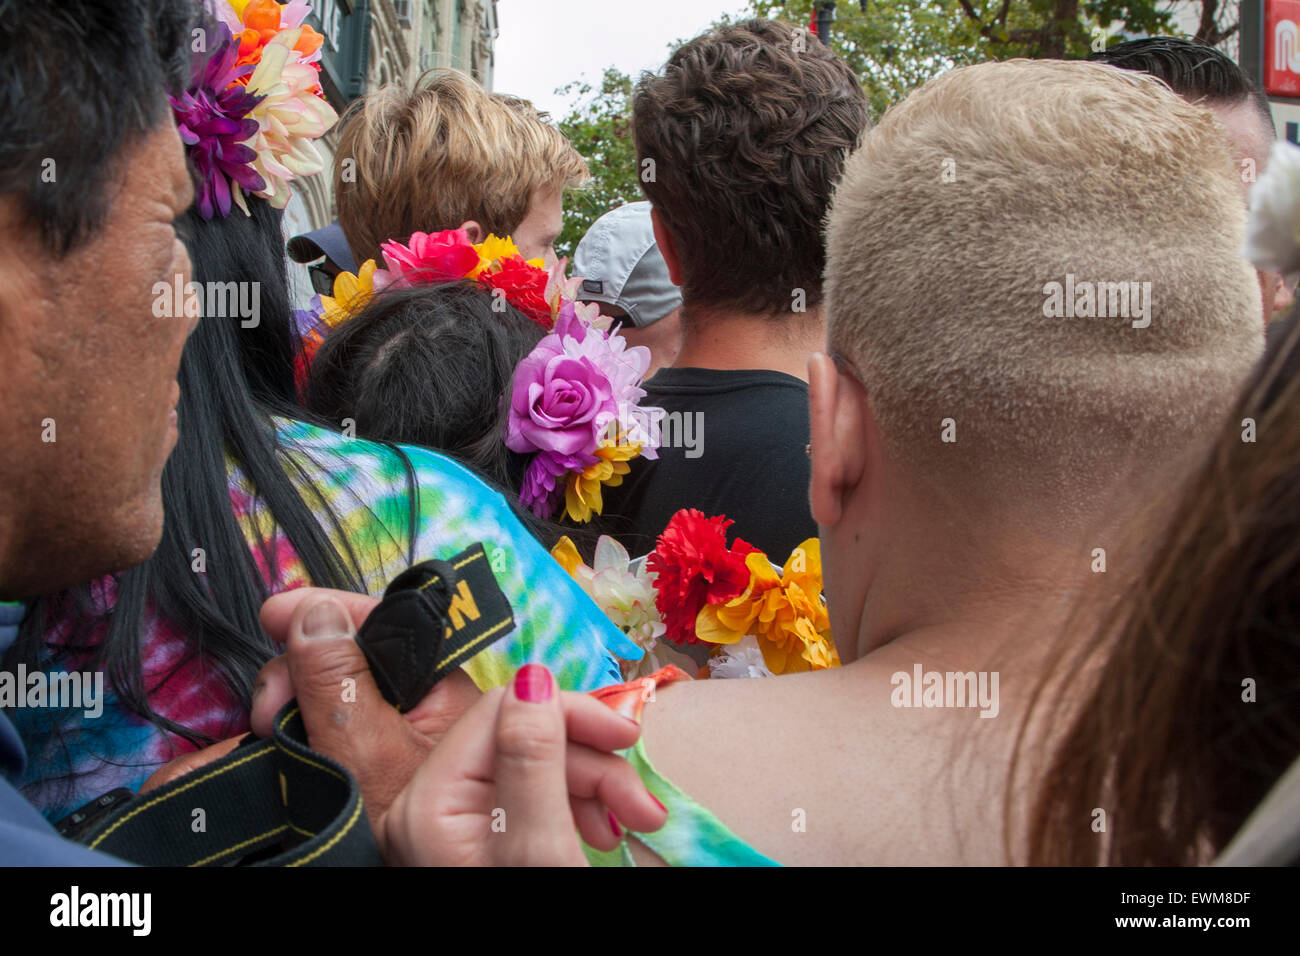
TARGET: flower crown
(254,104)
(574,406)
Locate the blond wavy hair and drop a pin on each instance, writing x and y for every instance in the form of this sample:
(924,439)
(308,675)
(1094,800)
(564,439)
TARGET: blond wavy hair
(443,153)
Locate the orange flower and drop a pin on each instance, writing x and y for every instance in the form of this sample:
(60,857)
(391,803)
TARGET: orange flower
(792,624)
(786,613)
(261,19)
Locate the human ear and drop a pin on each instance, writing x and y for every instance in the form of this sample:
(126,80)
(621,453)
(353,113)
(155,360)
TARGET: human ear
(837,416)
(667,248)
(473,230)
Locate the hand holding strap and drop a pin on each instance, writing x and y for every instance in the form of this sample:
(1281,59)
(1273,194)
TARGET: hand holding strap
(436,616)
(277,802)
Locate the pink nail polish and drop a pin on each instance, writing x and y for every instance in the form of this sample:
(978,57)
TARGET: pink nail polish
(533,683)
(657,803)
(613,825)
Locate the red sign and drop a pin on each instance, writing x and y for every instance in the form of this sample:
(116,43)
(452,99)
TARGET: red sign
(1282,48)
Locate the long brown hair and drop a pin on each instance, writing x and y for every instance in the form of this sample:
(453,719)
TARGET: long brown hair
(1195,712)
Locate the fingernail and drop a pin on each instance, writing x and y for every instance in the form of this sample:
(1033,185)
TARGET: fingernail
(657,803)
(533,683)
(613,825)
(326,619)
(634,722)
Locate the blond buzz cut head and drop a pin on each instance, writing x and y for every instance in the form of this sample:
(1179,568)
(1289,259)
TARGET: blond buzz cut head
(967,207)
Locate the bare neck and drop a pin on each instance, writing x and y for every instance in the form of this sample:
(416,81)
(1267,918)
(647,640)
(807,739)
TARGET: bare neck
(723,339)
(995,585)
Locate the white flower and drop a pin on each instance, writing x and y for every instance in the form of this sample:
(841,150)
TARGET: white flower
(289,117)
(1273,236)
(742,659)
(625,595)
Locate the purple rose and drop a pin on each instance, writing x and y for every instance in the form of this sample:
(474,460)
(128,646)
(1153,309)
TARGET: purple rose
(557,403)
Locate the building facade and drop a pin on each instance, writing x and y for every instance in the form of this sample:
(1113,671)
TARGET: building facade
(370,43)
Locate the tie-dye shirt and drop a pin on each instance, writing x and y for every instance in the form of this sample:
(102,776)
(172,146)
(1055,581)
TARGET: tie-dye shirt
(692,835)
(367,488)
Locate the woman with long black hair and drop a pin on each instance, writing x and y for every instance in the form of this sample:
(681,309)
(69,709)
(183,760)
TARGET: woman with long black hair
(257,503)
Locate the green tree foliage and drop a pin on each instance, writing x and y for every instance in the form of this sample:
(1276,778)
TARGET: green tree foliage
(600,128)
(895,45)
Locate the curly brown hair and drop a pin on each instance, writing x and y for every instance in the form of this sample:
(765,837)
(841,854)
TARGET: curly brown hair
(748,127)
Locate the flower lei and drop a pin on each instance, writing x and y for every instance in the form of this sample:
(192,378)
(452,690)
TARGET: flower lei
(254,104)
(574,406)
(693,588)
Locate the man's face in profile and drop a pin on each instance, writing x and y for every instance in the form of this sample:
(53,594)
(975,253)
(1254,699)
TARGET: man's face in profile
(90,389)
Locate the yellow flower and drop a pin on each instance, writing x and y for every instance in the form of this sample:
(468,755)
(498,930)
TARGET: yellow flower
(351,293)
(582,495)
(493,249)
(566,552)
(791,622)
(785,612)
(727,623)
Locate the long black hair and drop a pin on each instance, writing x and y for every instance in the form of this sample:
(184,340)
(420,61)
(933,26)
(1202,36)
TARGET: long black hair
(249,251)
(221,413)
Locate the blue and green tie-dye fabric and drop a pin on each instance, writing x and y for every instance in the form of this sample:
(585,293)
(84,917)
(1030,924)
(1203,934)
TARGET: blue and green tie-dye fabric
(692,835)
(367,489)
(557,624)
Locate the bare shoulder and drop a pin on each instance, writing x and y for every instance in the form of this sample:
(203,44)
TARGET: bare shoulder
(815,769)
(759,754)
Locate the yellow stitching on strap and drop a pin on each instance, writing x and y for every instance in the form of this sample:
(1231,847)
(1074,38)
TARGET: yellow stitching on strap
(455,567)
(288,717)
(311,763)
(319,766)
(460,652)
(338,836)
(240,846)
(167,796)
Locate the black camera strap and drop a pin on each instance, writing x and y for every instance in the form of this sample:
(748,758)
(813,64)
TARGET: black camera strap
(276,802)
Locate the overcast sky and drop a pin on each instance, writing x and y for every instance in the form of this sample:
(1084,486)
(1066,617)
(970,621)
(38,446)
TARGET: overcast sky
(545,44)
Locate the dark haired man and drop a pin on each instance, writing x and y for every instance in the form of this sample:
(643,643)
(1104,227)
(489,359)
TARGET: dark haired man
(1202,74)
(92,175)
(740,140)
(92,179)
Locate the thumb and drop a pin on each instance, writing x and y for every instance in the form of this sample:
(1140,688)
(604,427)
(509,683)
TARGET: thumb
(530,776)
(343,711)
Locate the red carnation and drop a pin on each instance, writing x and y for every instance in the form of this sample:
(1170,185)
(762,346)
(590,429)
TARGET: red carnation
(693,567)
(524,287)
